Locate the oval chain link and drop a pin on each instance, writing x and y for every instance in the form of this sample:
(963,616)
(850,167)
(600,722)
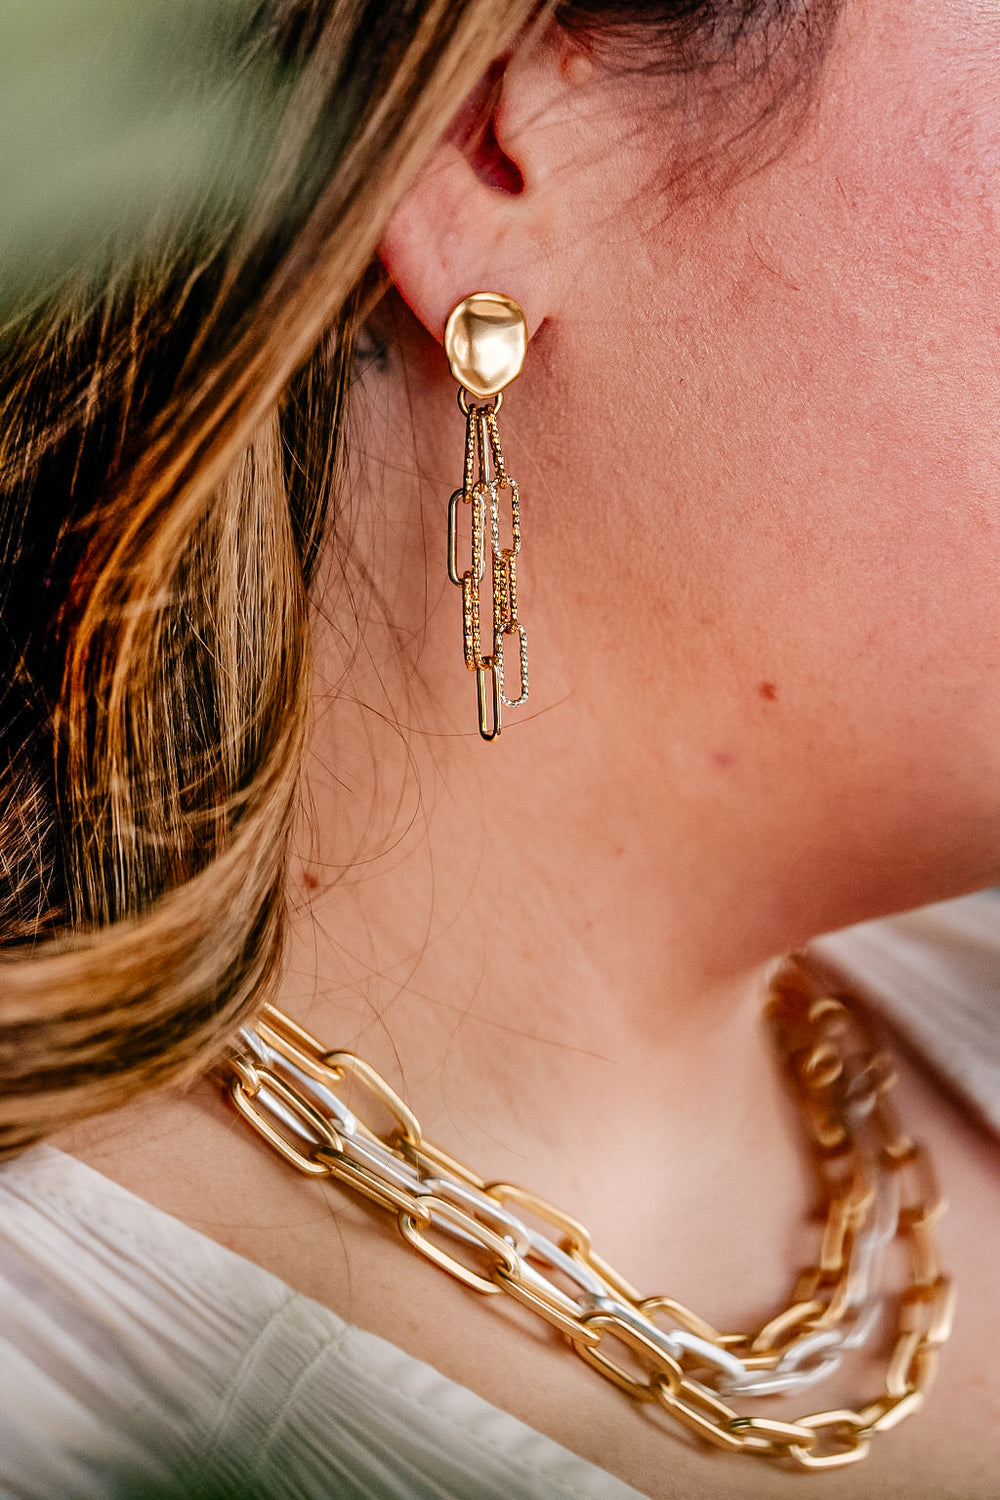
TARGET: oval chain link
(485,483)
(878,1185)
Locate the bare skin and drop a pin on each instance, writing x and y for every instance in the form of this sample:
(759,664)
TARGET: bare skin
(757,441)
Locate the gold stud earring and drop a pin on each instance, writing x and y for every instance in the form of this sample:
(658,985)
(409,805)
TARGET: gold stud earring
(485,339)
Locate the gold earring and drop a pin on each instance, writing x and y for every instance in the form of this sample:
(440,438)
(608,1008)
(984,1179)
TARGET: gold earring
(485,339)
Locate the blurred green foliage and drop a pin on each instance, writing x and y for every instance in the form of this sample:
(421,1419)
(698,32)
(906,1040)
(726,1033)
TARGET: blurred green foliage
(122,121)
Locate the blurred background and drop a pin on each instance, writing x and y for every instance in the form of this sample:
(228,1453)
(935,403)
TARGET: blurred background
(123,122)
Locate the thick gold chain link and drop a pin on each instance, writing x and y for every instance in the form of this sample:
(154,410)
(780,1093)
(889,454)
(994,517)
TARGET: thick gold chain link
(876,1183)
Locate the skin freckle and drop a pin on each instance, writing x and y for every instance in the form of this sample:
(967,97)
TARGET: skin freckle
(768,691)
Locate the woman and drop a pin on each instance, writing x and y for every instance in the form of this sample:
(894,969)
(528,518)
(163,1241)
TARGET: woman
(755,437)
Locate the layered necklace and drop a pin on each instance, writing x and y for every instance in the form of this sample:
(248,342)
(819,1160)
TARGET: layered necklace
(876,1186)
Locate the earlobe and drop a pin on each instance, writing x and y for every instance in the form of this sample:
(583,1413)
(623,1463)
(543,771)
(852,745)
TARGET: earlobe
(454,234)
(475,219)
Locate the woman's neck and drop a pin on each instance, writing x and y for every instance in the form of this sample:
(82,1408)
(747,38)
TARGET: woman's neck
(538,970)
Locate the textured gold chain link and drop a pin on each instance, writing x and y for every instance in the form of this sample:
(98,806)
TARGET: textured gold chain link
(485,483)
(876,1183)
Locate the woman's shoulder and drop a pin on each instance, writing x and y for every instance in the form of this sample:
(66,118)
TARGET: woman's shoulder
(935,974)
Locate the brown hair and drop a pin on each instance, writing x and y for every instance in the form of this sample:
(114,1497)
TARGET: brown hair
(168,452)
(160,511)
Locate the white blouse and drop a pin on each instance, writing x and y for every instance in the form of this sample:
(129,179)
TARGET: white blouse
(140,1359)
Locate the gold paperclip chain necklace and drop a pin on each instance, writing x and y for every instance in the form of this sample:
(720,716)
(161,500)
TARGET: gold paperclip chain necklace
(876,1185)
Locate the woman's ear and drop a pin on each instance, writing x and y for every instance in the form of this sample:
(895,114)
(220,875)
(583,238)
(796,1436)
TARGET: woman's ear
(488,211)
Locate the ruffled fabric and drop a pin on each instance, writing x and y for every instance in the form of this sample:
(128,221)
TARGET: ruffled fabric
(140,1359)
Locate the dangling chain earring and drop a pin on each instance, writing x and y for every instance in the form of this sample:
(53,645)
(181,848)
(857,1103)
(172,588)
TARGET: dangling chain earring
(485,339)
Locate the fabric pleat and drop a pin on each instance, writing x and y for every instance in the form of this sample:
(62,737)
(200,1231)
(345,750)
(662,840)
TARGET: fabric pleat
(138,1358)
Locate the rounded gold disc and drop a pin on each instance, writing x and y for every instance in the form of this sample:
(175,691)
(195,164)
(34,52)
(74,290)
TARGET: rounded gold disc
(485,339)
